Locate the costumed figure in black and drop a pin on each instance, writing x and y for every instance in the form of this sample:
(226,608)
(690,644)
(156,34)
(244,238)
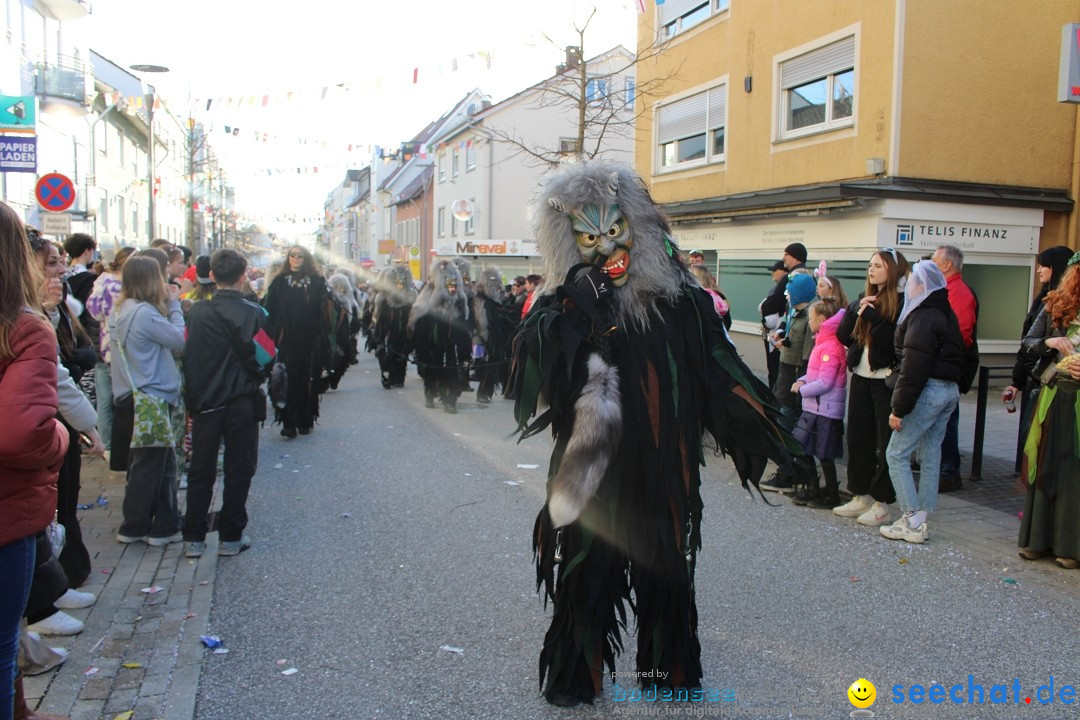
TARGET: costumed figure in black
(632,361)
(493,329)
(441,336)
(300,308)
(466,289)
(344,325)
(395,295)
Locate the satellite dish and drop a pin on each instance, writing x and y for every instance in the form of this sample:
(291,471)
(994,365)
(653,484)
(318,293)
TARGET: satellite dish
(462,209)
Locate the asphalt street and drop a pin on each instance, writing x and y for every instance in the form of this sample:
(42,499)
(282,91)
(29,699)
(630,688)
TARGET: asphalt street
(392,570)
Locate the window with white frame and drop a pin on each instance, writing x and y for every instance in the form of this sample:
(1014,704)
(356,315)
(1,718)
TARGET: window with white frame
(122,218)
(470,156)
(442,167)
(453,225)
(103,212)
(454,164)
(818,90)
(692,130)
(677,16)
(440,221)
(596,89)
(470,223)
(629,93)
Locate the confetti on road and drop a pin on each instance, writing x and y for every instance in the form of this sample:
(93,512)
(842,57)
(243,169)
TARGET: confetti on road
(91,671)
(152,590)
(511,482)
(83,506)
(210,641)
(221,651)
(1008,580)
(282,662)
(126,715)
(853,579)
(452,649)
(278,466)
(102,501)
(290,671)
(523,466)
(903,561)
(131,665)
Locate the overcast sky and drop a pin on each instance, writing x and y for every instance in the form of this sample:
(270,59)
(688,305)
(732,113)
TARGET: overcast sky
(225,49)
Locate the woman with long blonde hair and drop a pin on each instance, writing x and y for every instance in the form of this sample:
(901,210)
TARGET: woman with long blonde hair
(867,331)
(145,331)
(33,443)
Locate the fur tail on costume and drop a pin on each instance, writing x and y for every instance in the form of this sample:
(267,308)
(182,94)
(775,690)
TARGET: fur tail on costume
(596,434)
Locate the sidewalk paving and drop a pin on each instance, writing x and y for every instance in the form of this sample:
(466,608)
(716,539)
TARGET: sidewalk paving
(141,652)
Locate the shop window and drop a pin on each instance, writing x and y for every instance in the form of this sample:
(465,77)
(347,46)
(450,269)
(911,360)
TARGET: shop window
(818,90)
(692,130)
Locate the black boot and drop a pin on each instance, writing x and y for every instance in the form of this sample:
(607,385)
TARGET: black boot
(829,497)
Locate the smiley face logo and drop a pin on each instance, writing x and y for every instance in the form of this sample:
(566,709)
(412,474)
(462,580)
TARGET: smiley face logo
(862,693)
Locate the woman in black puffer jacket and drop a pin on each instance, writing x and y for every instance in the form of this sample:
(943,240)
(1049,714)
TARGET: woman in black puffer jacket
(929,349)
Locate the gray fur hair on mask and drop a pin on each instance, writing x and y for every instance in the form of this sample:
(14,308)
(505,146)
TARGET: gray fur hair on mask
(654,271)
(490,284)
(438,299)
(389,282)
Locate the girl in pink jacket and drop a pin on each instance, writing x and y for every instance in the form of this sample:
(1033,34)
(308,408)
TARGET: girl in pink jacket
(823,388)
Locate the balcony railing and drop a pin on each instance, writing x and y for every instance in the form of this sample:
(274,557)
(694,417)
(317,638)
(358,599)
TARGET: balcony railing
(64,77)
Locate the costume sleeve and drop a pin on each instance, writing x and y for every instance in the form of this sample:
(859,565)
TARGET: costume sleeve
(739,411)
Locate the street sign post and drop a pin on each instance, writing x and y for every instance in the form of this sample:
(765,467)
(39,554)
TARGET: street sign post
(17,114)
(55,192)
(55,223)
(18,153)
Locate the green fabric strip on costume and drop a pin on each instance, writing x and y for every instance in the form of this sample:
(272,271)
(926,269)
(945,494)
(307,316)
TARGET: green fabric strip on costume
(1031,445)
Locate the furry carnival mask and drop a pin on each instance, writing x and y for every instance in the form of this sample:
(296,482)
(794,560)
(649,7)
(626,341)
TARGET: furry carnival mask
(600,213)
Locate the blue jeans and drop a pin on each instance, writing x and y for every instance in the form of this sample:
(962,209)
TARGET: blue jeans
(950,445)
(16,573)
(104,403)
(922,429)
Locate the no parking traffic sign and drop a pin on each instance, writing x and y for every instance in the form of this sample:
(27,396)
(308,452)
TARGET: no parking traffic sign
(55,192)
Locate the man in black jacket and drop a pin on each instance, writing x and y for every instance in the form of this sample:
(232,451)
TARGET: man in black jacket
(225,360)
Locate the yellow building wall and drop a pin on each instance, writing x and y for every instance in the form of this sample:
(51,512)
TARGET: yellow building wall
(980,93)
(745,42)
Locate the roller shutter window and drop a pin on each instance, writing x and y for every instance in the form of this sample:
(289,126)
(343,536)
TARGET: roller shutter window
(818,88)
(692,129)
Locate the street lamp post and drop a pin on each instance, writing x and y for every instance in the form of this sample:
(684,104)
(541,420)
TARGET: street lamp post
(148,98)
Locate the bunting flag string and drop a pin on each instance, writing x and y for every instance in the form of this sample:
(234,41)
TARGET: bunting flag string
(480,60)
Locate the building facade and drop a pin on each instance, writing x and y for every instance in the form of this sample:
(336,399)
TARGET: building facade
(857,125)
(488,170)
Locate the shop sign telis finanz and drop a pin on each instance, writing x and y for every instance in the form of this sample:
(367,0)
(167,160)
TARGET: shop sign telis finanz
(969,237)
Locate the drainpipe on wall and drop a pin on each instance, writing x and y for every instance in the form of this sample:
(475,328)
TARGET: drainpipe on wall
(1074,184)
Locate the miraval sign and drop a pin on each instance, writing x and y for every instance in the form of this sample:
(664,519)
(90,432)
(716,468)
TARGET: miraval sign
(511,248)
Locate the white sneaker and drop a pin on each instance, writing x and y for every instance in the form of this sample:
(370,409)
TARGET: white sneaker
(901,530)
(73,600)
(853,508)
(59,623)
(876,516)
(160,541)
(183,483)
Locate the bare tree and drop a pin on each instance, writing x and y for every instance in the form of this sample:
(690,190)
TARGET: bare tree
(587,93)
